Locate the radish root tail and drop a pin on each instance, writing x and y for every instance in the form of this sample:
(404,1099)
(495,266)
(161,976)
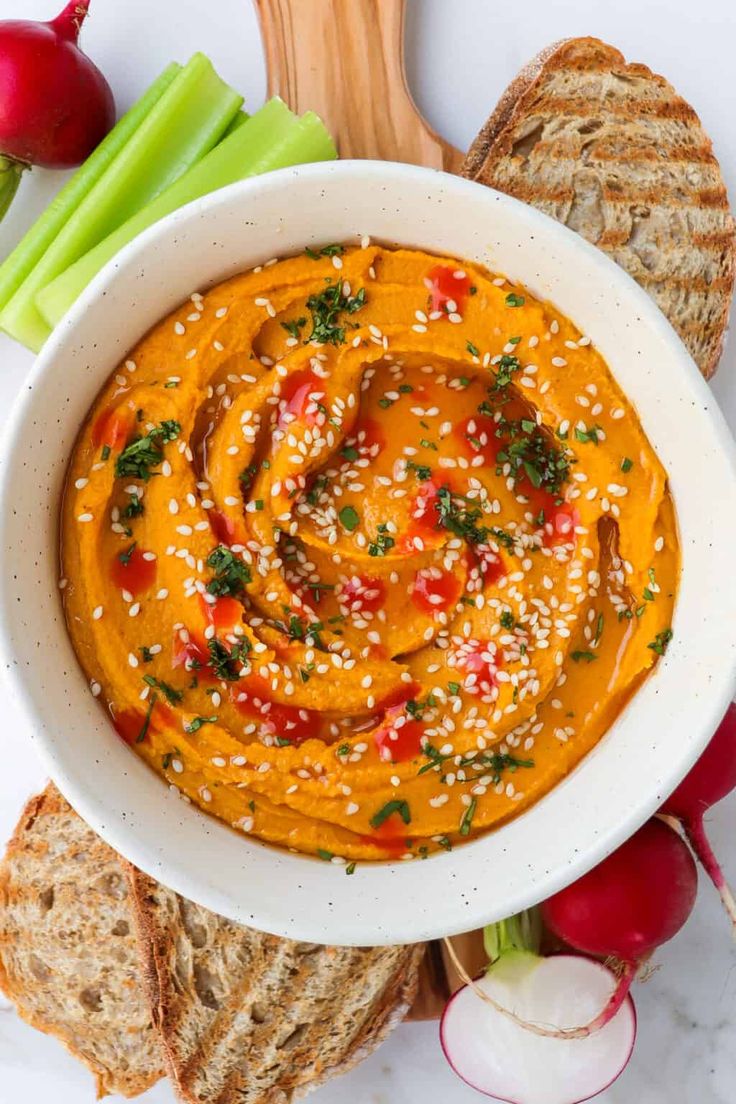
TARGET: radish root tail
(617,998)
(698,840)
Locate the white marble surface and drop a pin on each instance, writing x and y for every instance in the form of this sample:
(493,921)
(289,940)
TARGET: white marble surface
(460,57)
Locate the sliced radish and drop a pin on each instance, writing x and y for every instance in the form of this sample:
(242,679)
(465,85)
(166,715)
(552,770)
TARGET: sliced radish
(502,1059)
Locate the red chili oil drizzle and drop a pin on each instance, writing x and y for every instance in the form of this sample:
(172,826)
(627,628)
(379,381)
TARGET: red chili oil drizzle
(445,287)
(134,572)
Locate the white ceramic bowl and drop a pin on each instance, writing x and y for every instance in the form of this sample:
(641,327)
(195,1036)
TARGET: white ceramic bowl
(614,789)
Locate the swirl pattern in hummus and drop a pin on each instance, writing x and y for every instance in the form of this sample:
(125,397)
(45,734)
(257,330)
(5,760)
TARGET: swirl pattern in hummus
(364,550)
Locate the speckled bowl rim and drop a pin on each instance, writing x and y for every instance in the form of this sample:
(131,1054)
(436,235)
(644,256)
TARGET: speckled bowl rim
(604,800)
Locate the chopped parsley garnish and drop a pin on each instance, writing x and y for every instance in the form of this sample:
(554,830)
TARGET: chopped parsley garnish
(472,349)
(144,453)
(587,656)
(422,471)
(147,719)
(326,856)
(503,537)
(416,708)
(349,452)
(626,464)
(458,518)
(493,763)
(384,402)
(428,444)
(326,309)
(505,368)
(231,574)
(444,843)
(531,453)
(467,820)
(344,749)
(198,722)
(146,654)
(391,807)
(660,642)
(349,518)
(587,435)
(316,490)
(171,694)
(507,620)
(124,557)
(514,300)
(598,630)
(134,508)
(317,588)
(105,454)
(166,760)
(227,662)
(296,629)
(350,868)
(247,476)
(334,250)
(294,326)
(453,687)
(383,542)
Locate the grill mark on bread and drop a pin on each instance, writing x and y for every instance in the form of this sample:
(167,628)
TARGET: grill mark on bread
(534,195)
(289,1014)
(581,106)
(588,139)
(68,958)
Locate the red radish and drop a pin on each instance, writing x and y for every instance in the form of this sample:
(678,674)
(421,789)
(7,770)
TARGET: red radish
(635,900)
(712,778)
(500,1058)
(55,104)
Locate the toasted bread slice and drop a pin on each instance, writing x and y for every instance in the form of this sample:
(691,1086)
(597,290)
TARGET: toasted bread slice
(247,1018)
(613,152)
(68,953)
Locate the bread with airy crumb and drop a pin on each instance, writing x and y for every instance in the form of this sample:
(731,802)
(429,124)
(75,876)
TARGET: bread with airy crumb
(612,151)
(68,952)
(249,1018)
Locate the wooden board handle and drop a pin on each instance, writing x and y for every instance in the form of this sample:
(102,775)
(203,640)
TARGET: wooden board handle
(344,59)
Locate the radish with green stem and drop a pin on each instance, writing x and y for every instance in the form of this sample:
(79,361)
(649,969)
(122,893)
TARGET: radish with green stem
(55,104)
(557,1030)
(496,1052)
(713,777)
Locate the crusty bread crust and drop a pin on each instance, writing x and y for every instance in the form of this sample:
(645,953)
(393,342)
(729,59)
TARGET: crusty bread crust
(68,954)
(505,109)
(612,150)
(246,1018)
(130,976)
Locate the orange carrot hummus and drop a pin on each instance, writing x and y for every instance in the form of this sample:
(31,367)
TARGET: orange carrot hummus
(364,550)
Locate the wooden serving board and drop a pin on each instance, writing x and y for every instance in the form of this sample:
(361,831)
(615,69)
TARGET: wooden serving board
(344,59)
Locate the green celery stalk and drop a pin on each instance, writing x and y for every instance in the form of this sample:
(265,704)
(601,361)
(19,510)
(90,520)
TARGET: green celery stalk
(31,248)
(273,138)
(186,122)
(238,120)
